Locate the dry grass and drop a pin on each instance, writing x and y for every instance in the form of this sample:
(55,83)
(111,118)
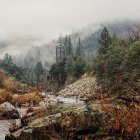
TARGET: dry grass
(26,98)
(5,96)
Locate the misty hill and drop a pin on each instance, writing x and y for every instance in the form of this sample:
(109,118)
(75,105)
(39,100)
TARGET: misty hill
(44,53)
(120,29)
(27,52)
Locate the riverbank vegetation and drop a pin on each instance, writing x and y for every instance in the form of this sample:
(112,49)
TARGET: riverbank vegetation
(15,92)
(117,64)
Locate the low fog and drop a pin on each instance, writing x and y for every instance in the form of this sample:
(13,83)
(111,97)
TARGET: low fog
(29,24)
(48,18)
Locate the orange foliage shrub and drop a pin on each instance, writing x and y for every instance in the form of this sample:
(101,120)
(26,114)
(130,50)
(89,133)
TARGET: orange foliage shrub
(26,98)
(2,77)
(11,85)
(5,96)
(123,120)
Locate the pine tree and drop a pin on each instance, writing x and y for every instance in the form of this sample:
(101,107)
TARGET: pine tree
(60,50)
(69,66)
(69,49)
(63,49)
(104,40)
(38,71)
(57,53)
(7,60)
(66,45)
(79,49)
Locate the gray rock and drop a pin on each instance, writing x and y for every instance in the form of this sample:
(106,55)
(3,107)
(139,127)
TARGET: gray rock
(8,111)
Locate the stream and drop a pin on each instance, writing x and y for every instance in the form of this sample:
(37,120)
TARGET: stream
(64,102)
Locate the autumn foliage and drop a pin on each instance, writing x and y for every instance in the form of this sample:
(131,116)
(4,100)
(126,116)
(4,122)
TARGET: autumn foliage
(5,96)
(26,98)
(2,76)
(124,120)
(11,85)
(14,91)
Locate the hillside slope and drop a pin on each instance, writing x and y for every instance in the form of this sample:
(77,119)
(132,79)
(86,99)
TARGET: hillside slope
(81,89)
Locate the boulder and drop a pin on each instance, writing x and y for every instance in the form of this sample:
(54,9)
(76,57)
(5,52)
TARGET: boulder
(8,111)
(7,106)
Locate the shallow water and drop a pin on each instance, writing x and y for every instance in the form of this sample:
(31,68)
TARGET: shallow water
(66,101)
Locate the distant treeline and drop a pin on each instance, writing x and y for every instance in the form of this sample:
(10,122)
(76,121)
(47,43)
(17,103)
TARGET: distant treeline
(30,75)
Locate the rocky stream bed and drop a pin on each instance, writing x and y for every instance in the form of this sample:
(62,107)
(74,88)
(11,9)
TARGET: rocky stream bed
(6,124)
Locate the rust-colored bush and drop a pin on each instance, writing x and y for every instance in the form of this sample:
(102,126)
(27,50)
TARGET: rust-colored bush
(26,98)
(5,96)
(123,120)
(11,84)
(2,77)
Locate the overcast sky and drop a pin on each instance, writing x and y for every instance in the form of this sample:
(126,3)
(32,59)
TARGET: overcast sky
(48,18)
